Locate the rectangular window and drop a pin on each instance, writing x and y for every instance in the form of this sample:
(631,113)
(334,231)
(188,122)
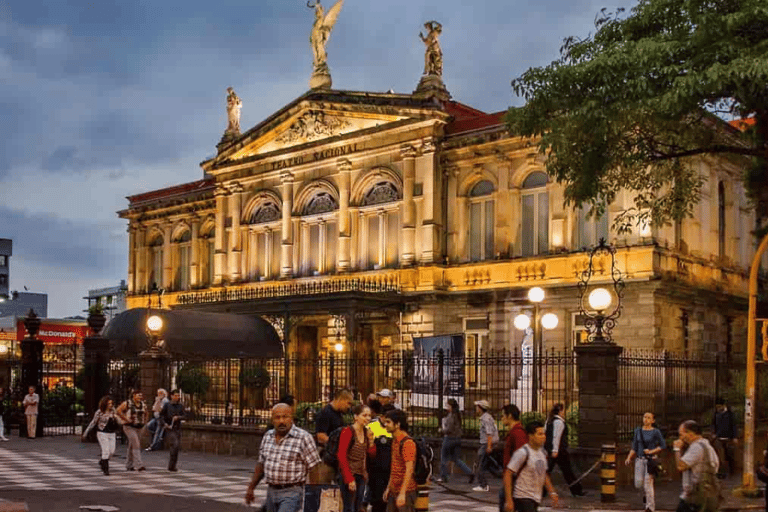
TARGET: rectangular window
(373,241)
(488,232)
(3,280)
(184,263)
(393,238)
(476,335)
(157,268)
(314,248)
(3,260)
(528,231)
(543,223)
(262,255)
(476,236)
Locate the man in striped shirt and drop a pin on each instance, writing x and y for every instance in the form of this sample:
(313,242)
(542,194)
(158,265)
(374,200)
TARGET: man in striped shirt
(287,457)
(400,494)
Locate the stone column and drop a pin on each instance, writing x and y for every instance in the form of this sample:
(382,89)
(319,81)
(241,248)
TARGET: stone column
(286,256)
(235,237)
(451,230)
(408,253)
(167,260)
(194,264)
(598,389)
(430,223)
(96,372)
(220,252)
(153,370)
(132,258)
(141,260)
(32,365)
(343,263)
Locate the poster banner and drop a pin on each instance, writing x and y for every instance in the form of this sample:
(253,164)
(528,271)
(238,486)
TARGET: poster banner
(425,371)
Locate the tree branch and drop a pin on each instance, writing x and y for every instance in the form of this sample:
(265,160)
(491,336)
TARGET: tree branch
(709,149)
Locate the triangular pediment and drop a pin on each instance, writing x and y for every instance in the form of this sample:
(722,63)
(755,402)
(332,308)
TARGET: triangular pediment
(325,115)
(312,125)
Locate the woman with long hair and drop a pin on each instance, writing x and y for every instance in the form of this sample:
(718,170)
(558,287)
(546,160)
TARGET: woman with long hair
(647,442)
(451,449)
(106,427)
(556,445)
(355,445)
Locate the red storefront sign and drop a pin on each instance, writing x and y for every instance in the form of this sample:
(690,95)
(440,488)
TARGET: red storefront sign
(56,332)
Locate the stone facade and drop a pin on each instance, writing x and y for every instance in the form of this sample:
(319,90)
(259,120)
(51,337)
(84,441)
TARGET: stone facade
(436,201)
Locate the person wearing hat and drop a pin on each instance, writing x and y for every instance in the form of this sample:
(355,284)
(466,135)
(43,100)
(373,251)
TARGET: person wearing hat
(387,396)
(489,434)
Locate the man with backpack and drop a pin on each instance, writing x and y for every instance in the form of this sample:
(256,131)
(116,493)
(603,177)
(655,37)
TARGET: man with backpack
(329,419)
(699,465)
(400,494)
(526,474)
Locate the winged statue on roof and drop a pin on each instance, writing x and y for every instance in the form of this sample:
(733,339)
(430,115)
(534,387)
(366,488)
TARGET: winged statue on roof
(318,39)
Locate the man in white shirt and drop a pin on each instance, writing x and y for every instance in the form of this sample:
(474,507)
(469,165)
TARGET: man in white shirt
(30,411)
(526,474)
(699,458)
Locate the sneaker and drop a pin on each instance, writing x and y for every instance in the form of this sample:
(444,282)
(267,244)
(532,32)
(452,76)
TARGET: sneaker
(440,480)
(142,468)
(481,488)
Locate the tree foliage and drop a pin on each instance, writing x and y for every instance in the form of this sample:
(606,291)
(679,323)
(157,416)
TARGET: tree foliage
(631,106)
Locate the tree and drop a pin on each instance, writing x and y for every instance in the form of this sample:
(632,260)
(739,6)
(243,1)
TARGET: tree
(193,380)
(631,106)
(257,379)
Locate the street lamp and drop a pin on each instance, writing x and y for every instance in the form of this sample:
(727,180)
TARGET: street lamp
(522,322)
(600,317)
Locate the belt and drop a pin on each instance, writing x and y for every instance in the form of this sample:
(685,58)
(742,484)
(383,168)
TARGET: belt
(284,486)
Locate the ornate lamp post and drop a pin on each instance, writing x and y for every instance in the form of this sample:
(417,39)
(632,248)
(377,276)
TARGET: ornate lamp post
(548,321)
(598,322)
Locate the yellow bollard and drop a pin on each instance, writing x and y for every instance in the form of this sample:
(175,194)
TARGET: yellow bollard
(422,498)
(608,474)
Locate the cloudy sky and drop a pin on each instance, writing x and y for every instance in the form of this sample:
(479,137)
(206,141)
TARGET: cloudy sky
(102,99)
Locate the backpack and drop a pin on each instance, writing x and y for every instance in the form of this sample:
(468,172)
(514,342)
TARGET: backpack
(519,471)
(331,453)
(422,469)
(707,492)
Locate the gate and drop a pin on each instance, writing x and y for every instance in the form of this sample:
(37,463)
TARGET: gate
(62,396)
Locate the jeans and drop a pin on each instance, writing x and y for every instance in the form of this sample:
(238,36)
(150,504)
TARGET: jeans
(174,445)
(483,461)
(157,434)
(285,500)
(107,444)
(644,480)
(133,457)
(451,452)
(353,501)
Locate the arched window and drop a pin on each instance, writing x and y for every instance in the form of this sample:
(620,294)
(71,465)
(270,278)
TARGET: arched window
(319,235)
(266,212)
(156,255)
(481,221)
(182,257)
(380,227)
(535,215)
(264,241)
(721,220)
(383,192)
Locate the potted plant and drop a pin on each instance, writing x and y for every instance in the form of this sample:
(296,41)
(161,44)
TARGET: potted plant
(96,318)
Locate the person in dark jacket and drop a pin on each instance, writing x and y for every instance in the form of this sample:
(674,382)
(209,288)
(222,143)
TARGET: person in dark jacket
(379,466)
(556,445)
(170,419)
(726,436)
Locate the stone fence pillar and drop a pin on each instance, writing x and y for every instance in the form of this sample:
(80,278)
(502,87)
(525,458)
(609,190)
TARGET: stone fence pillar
(153,372)
(96,372)
(598,389)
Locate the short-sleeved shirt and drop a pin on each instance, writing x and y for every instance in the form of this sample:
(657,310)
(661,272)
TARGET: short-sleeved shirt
(399,458)
(516,439)
(488,428)
(30,403)
(530,480)
(289,461)
(328,420)
(696,457)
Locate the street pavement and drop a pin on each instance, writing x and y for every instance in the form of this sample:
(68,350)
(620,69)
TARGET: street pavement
(53,474)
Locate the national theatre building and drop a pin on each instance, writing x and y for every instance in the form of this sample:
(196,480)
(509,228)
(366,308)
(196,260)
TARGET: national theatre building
(373,218)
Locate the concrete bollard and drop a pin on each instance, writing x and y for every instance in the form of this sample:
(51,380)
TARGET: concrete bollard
(608,473)
(422,498)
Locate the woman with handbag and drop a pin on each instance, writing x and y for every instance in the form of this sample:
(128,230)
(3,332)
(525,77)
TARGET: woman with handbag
(106,427)
(647,443)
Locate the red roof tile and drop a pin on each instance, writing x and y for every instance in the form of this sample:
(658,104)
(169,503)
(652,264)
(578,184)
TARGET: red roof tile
(171,191)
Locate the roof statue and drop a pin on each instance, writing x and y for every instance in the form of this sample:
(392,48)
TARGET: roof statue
(431,83)
(318,39)
(433,57)
(234,105)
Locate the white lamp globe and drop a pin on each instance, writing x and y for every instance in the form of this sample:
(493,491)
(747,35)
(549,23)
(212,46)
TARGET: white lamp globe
(339,347)
(154,323)
(536,294)
(600,299)
(3,349)
(522,322)
(549,321)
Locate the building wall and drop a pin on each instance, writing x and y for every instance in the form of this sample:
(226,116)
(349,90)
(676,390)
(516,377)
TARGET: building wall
(6,251)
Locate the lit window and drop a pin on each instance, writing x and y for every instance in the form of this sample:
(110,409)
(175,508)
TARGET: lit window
(535,215)
(380,238)
(481,221)
(183,260)
(156,252)
(591,230)
(319,234)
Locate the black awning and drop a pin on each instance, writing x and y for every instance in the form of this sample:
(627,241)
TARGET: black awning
(195,334)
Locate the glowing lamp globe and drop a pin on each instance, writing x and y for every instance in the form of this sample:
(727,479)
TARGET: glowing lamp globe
(339,347)
(536,294)
(600,299)
(549,321)
(155,323)
(3,349)
(522,322)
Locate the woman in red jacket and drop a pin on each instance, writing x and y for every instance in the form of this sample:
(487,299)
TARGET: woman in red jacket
(355,444)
